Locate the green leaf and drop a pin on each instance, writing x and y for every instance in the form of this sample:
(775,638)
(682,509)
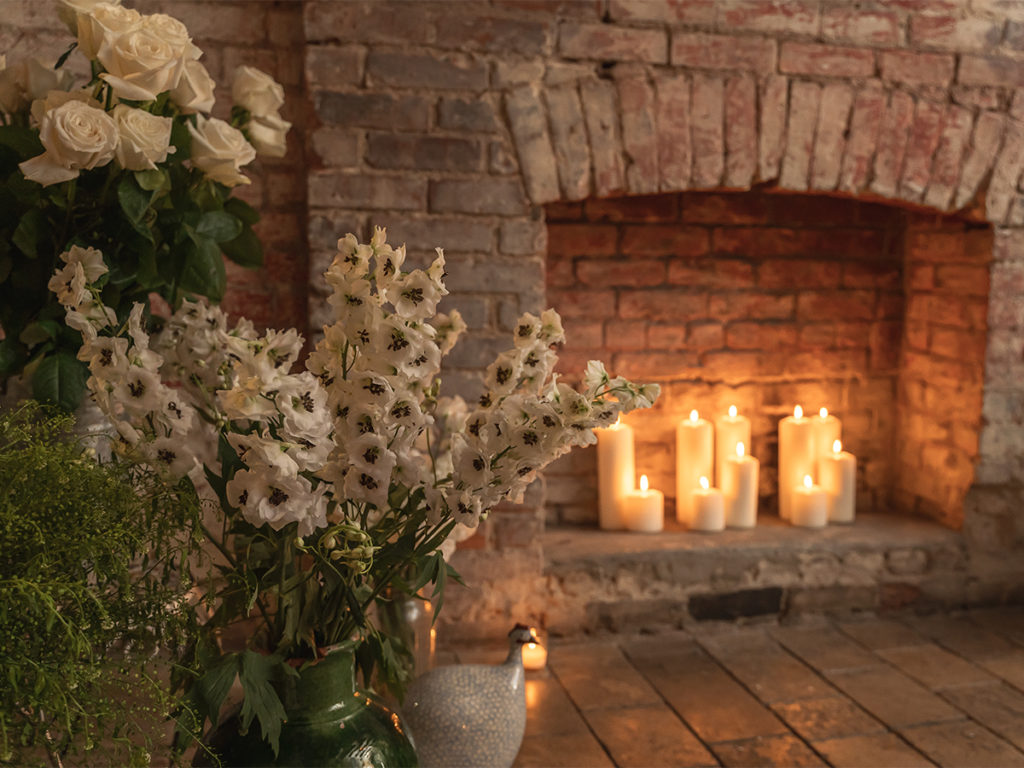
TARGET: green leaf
(203,270)
(261,700)
(215,684)
(38,332)
(219,226)
(242,210)
(28,232)
(12,356)
(60,379)
(151,180)
(64,56)
(24,141)
(245,250)
(134,200)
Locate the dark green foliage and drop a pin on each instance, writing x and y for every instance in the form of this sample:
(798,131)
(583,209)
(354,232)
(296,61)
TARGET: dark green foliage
(91,582)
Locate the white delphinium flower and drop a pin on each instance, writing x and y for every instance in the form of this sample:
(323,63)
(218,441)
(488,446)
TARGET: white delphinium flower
(169,455)
(369,475)
(502,376)
(257,450)
(277,498)
(90,259)
(69,284)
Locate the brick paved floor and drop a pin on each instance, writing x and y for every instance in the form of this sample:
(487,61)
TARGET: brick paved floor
(945,690)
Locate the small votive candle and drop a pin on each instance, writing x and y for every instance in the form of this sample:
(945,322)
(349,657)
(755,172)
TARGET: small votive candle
(739,486)
(809,506)
(708,508)
(643,510)
(535,655)
(837,473)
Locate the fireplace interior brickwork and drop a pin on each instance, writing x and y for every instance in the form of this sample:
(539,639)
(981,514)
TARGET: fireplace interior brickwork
(765,300)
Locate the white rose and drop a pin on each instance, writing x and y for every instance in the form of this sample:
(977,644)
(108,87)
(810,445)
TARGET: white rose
(103,23)
(54,99)
(69,10)
(140,65)
(220,150)
(256,91)
(268,134)
(144,138)
(195,89)
(28,80)
(76,137)
(172,32)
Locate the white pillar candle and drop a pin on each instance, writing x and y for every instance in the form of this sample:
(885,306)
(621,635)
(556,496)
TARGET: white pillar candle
(695,458)
(810,505)
(739,486)
(535,655)
(644,510)
(708,508)
(837,475)
(730,431)
(827,429)
(797,456)
(616,472)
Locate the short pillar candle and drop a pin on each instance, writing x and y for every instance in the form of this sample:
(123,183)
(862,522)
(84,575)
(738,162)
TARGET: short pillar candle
(797,456)
(643,510)
(694,459)
(739,486)
(837,475)
(810,505)
(730,430)
(708,508)
(616,472)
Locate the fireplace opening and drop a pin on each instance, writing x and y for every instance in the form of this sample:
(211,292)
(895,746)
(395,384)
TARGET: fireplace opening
(765,300)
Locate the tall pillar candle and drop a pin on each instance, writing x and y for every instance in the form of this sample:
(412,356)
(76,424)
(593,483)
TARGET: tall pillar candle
(708,508)
(797,456)
(837,476)
(740,476)
(730,431)
(694,460)
(827,429)
(616,473)
(809,505)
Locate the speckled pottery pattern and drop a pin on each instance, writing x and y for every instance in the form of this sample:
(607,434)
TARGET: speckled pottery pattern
(470,715)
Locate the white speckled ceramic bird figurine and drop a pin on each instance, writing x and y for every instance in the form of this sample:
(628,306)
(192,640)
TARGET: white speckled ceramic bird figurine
(470,715)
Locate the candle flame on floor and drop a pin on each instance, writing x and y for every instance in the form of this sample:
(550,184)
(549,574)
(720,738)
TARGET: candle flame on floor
(704,483)
(808,482)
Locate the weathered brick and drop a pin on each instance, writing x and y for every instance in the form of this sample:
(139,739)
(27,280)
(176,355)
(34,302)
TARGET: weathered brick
(836,305)
(705,335)
(664,240)
(773,125)
(725,208)
(798,17)
(422,70)
(792,274)
(569,140)
(760,335)
(656,366)
(453,234)
(336,147)
(985,141)
(892,143)
(675,155)
(377,22)
(803,118)
(510,73)
(707,130)
(753,306)
(868,109)
(229,22)
(917,68)
(872,274)
(946,167)
(740,131)
(829,141)
(861,26)
(705,51)
(334,67)
(921,145)
(529,124)
(601,113)
(608,42)
(1006,173)
(711,273)
(347,190)
(664,11)
(662,306)
(828,60)
(495,35)
(501,159)
(419,152)
(667,336)
(639,130)
(472,115)
(374,110)
(485,195)
(950,33)
(522,238)
(625,334)
(506,274)
(990,70)
(980,96)
(645,208)
(566,239)
(628,273)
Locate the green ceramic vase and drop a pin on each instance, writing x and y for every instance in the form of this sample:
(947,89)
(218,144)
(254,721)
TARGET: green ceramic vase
(331,724)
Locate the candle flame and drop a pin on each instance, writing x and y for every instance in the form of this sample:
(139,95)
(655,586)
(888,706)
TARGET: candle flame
(704,483)
(643,483)
(732,411)
(694,415)
(798,412)
(807,481)
(837,446)
(618,422)
(535,640)
(740,449)
(823,413)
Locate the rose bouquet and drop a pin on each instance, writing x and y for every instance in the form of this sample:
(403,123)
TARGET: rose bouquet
(131,164)
(338,485)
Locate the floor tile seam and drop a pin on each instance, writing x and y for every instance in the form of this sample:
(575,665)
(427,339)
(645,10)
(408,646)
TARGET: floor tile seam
(1013,747)
(928,686)
(978,660)
(971,718)
(1019,643)
(590,728)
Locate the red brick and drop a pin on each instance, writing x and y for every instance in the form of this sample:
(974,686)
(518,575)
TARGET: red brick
(985,140)
(740,130)
(397,150)
(968,346)
(884,345)
(732,365)
(728,208)
(563,211)
(334,67)
(675,151)
(871,274)
(497,35)
(704,51)
(706,335)
(949,156)
(707,108)
(868,109)
(664,11)
(767,336)
(605,41)
(664,240)
(625,334)
(920,277)
(826,60)
(798,17)
(711,273)
(560,273)
(922,143)
(636,208)
(916,335)
(670,337)
(805,103)
(836,305)
(962,279)
(817,336)
(422,70)
(798,274)
(762,242)
(585,334)
(830,138)
(229,22)
(892,143)
(753,306)
(582,303)
(774,94)
(656,366)
(937,247)
(839,362)
(918,68)
(377,22)
(662,306)
(949,33)
(628,273)
(858,25)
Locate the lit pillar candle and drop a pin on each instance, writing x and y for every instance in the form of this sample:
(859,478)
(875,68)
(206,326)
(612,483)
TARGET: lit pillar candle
(827,429)
(810,505)
(695,457)
(730,431)
(837,475)
(615,472)
(644,510)
(739,486)
(535,655)
(708,508)
(797,456)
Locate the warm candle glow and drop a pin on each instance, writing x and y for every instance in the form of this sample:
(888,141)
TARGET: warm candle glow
(740,449)
(732,411)
(643,483)
(798,412)
(694,416)
(823,413)
(837,446)
(617,424)
(704,483)
(808,482)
